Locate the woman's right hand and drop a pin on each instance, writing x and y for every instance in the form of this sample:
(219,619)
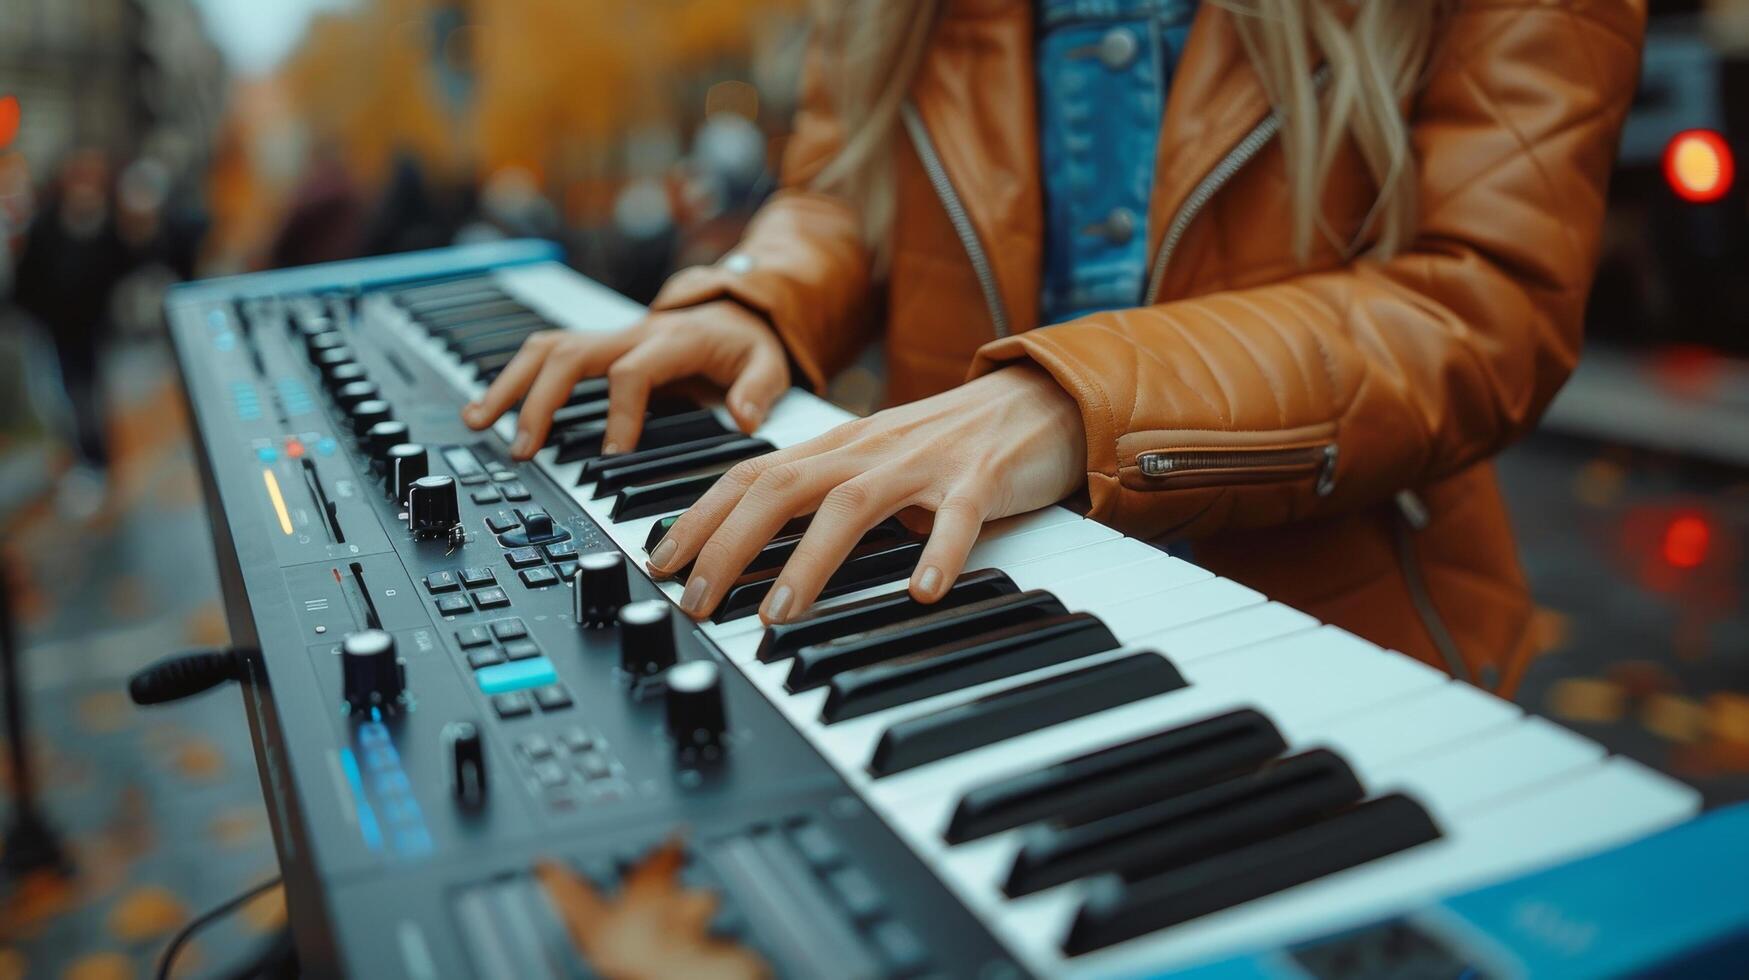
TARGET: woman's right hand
(722,341)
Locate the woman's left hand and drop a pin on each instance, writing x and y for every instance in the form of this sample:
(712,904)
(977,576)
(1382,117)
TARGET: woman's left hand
(1005,443)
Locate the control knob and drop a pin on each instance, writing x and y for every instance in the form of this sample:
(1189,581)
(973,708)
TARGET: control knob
(370,673)
(381,437)
(432,508)
(696,719)
(467,762)
(646,637)
(406,462)
(331,360)
(600,588)
(353,392)
(316,343)
(368,413)
(345,374)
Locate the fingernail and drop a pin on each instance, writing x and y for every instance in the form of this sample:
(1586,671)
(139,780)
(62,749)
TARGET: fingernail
(609,448)
(663,554)
(522,446)
(928,580)
(692,600)
(751,413)
(471,413)
(777,604)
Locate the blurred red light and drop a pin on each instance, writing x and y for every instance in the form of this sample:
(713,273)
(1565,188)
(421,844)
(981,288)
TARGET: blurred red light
(294,448)
(1687,539)
(1698,165)
(10,114)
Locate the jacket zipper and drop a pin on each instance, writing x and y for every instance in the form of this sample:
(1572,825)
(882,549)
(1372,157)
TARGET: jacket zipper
(1213,181)
(1259,465)
(957,216)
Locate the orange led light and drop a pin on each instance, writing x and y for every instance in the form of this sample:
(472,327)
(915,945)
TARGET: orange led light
(293,448)
(10,116)
(1687,539)
(1699,166)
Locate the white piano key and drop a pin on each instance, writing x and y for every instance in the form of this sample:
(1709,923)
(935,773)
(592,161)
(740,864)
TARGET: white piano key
(1187,644)
(1199,600)
(1444,716)
(1498,764)
(1151,576)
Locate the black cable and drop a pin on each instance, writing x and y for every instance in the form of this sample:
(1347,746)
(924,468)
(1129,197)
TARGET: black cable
(230,905)
(183,675)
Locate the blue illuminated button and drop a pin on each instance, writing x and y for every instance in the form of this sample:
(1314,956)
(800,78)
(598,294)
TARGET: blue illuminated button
(518,675)
(327,446)
(267,454)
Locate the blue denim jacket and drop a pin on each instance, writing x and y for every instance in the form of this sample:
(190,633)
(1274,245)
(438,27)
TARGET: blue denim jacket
(1104,67)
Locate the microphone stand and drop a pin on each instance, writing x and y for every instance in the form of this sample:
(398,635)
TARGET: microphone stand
(28,842)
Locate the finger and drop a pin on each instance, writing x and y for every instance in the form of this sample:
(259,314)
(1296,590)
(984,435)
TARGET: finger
(687,537)
(758,386)
(654,362)
(578,904)
(779,494)
(957,523)
(565,365)
(506,389)
(845,515)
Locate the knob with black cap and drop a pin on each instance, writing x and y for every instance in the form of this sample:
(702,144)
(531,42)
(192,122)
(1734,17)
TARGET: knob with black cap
(370,672)
(353,392)
(646,637)
(345,374)
(695,714)
(466,751)
(383,436)
(330,360)
(316,343)
(601,588)
(368,413)
(406,462)
(432,506)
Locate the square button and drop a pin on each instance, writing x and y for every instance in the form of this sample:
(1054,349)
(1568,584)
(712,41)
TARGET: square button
(552,697)
(477,576)
(593,765)
(817,845)
(539,577)
(514,491)
(441,582)
(861,897)
(537,747)
(473,636)
(514,704)
(523,557)
(563,549)
(521,649)
(451,605)
(567,571)
(486,495)
(490,598)
(509,629)
(503,476)
(484,657)
(577,740)
(498,523)
(550,773)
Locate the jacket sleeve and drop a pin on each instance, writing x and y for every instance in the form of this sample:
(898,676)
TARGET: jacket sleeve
(1333,390)
(802,262)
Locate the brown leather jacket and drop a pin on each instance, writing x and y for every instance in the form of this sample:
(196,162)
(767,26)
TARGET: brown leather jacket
(1322,431)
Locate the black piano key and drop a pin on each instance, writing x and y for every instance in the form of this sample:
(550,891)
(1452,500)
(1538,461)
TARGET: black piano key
(437,320)
(588,390)
(930,738)
(776,553)
(469,329)
(437,306)
(429,289)
(578,415)
(581,442)
(1006,652)
(593,468)
(716,458)
(469,351)
(660,498)
(1116,909)
(1174,831)
(1120,777)
(660,529)
(489,367)
(820,662)
(784,639)
(859,572)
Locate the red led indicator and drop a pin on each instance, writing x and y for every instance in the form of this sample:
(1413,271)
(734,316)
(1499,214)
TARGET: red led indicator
(1687,539)
(294,448)
(1699,166)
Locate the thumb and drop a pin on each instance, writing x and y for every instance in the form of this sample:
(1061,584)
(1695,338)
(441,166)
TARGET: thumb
(762,380)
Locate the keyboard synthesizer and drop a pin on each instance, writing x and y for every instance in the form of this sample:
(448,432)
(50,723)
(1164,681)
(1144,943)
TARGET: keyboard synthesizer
(1090,758)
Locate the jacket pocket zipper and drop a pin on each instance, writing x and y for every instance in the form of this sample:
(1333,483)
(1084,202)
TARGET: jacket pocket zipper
(1243,465)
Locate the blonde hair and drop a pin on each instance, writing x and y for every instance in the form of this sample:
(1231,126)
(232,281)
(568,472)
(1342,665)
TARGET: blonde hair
(1375,57)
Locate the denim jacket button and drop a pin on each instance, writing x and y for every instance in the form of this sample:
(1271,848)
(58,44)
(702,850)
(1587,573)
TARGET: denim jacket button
(1117,49)
(1119,225)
